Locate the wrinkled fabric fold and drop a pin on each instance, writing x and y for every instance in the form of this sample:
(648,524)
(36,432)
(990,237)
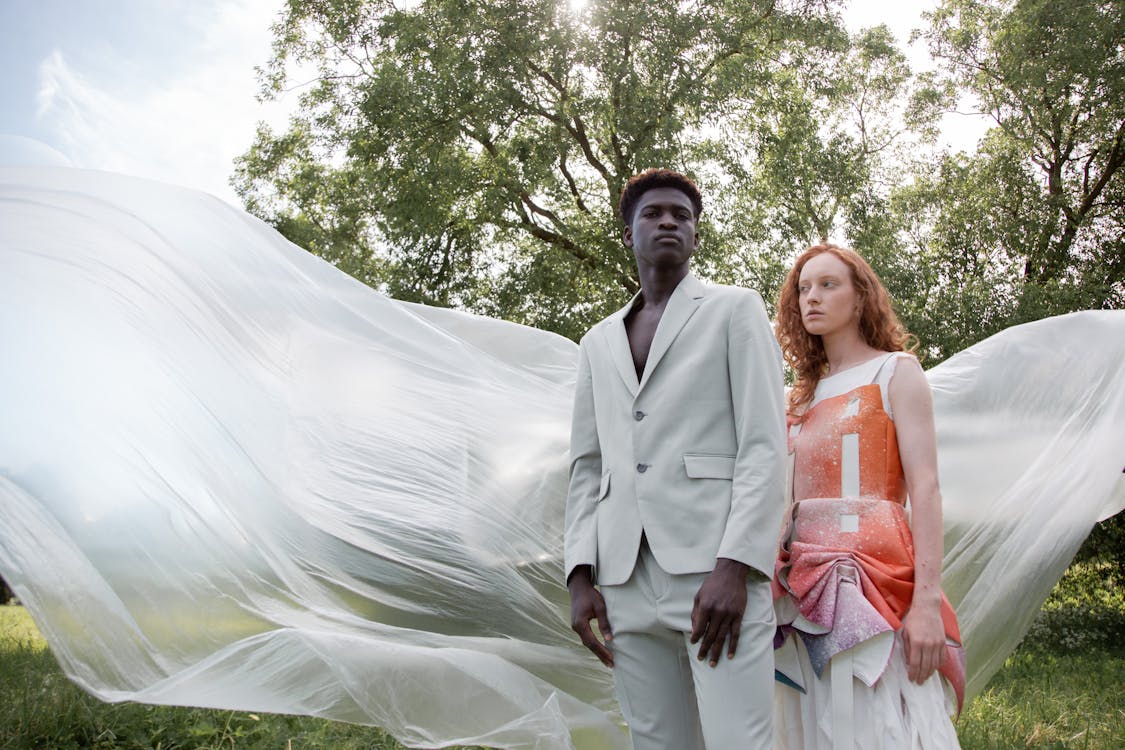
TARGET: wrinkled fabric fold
(876,586)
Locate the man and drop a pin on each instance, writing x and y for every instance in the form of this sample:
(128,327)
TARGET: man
(676,489)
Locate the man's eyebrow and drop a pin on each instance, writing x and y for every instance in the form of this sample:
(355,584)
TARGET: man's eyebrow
(660,204)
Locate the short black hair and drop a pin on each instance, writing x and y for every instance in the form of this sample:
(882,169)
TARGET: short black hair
(641,183)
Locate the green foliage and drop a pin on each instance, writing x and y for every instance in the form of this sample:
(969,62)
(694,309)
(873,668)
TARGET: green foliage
(471,154)
(1033,223)
(823,143)
(1062,686)
(1086,610)
(1105,546)
(1044,700)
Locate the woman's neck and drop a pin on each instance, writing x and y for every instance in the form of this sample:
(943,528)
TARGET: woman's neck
(846,349)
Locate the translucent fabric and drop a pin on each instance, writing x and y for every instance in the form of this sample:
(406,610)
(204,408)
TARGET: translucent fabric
(232,476)
(1031,449)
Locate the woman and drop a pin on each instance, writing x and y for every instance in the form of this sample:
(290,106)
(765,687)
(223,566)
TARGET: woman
(865,635)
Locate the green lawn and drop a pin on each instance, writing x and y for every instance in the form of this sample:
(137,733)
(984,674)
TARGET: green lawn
(1063,688)
(41,709)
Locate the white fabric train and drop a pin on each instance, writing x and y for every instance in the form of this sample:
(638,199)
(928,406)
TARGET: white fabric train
(232,476)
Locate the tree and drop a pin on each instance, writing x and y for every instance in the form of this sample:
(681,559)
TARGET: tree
(470,154)
(1033,224)
(829,140)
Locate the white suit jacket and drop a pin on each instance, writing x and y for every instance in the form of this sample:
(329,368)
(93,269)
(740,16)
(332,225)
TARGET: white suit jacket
(693,454)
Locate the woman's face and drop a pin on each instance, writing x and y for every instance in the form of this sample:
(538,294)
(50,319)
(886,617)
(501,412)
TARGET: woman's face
(827,296)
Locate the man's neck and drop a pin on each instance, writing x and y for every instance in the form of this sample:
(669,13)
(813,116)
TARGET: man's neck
(657,284)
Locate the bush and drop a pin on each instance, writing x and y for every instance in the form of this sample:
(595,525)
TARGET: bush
(1086,610)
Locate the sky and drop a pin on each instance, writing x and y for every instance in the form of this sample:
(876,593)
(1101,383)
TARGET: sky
(166,89)
(163,89)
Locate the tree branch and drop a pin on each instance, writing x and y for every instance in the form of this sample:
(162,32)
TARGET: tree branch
(572,184)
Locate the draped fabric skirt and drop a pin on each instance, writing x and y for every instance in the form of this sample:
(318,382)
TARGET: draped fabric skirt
(844,582)
(892,714)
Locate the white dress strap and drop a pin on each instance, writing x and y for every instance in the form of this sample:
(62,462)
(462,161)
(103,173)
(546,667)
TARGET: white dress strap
(886,359)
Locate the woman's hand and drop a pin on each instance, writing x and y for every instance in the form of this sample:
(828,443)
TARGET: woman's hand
(923,635)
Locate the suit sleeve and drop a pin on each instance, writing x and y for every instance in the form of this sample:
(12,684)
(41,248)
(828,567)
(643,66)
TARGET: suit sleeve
(757,390)
(581,529)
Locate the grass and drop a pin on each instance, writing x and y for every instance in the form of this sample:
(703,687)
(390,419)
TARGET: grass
(41,709)
(1064,688)
(1050,701)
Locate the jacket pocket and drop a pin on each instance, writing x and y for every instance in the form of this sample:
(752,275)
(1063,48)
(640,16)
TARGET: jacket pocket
(603,489)
(709,466)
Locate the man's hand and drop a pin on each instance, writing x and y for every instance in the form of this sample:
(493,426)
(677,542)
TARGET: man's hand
(586,604)
(718,609)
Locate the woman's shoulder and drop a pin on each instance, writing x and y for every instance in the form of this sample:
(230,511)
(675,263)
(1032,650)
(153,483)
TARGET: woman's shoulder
(892,361)
(903,362)
(906,383)
(896,367)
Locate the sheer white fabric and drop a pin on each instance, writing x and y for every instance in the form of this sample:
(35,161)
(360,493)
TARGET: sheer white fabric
(232,476)
(1031,449)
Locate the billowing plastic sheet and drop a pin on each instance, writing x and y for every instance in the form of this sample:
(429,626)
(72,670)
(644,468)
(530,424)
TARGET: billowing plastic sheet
(232,476)
(1031,449)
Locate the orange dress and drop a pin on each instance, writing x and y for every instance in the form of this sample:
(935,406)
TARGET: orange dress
(845,571)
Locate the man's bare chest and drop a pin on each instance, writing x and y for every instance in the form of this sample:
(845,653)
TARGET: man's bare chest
(640,329)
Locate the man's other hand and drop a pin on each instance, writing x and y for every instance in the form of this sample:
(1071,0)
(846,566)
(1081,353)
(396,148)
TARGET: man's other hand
(586,603)
(717,613)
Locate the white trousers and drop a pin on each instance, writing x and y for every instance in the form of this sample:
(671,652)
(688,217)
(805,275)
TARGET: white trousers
(670,699)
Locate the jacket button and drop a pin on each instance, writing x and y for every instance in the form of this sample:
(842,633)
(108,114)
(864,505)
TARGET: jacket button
(638,415)
(642,468)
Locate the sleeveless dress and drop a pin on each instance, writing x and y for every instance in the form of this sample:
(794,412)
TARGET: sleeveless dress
(845,578)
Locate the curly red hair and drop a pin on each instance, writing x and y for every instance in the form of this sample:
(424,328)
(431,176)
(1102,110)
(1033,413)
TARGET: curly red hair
(804,352)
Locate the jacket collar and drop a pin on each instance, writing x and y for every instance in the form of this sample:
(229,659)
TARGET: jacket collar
(681,306)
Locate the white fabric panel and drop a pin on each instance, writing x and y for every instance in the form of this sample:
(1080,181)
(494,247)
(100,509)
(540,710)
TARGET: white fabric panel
(849,464)
(232,476)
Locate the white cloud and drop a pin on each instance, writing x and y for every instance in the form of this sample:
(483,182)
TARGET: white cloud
(183,127)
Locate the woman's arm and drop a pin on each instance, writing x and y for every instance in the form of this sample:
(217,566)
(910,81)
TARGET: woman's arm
(923,633)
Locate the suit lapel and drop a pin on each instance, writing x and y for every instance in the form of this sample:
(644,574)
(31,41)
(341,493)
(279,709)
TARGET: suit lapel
(618,342)
(681,306)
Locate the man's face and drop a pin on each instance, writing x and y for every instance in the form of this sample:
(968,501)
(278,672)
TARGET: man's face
(663,231)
